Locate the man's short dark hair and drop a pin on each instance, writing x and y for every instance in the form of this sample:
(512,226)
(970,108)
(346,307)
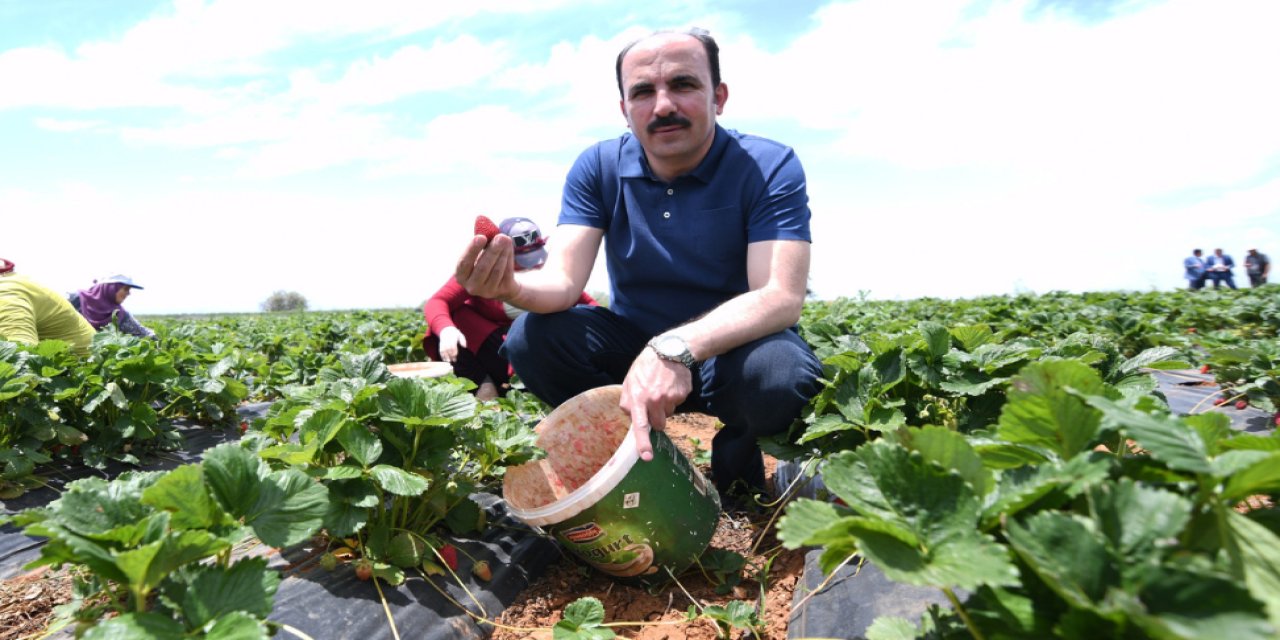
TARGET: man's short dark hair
(702,35)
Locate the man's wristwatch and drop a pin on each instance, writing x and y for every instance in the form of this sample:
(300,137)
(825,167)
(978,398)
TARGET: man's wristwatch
(674,349)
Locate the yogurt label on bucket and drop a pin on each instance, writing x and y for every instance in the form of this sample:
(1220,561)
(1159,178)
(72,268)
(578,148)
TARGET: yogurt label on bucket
(631,501)
(584,534)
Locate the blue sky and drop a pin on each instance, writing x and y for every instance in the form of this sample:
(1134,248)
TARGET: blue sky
(219,150)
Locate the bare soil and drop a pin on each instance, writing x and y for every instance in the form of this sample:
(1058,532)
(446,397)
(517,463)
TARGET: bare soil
(662,614)
(27,602)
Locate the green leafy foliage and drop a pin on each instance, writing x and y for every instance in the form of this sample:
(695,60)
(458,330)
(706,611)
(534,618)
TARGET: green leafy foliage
(1050,536)
(158,545)
(400,457)
(724,568)
(583,620)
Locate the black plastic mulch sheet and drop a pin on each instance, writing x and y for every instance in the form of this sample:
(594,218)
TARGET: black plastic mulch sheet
(17,549)
(335,604)
(853,599)
(1191,392)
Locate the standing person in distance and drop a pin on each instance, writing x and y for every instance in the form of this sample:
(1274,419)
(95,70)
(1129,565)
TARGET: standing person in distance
(467,330)
(1193,270)
(706,240)
(1258,266)
(1218,267)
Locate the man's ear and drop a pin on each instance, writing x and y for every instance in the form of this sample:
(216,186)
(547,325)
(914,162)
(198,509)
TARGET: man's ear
(722,96)
(622,107)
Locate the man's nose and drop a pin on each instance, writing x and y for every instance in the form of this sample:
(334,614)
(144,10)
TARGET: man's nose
(664,105)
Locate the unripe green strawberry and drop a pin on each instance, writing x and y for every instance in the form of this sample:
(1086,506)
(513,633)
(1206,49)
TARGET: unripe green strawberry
(431,567)
(329,561)
(481,570)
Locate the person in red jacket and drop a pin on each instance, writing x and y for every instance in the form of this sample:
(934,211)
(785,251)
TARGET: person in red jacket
(467,331)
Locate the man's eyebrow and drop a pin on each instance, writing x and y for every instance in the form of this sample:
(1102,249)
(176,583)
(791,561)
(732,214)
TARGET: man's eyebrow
(686,77)
(640,85)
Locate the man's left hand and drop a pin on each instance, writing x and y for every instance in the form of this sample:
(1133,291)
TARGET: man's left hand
(651,392)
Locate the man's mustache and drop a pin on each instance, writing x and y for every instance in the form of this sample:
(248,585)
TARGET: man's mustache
(672,120)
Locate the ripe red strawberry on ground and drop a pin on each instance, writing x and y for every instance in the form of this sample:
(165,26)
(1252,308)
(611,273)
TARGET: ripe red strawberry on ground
(1241,404)
(485,227)
(1204,368)
(450,556)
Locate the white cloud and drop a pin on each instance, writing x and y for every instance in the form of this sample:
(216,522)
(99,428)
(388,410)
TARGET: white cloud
(953,148)
(410,71)
(66,126)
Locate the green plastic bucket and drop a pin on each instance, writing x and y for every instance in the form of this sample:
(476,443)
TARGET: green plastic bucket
(630,519)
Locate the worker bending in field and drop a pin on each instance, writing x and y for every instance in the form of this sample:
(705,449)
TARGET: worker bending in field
(31,312)
(706,240)
(101,304)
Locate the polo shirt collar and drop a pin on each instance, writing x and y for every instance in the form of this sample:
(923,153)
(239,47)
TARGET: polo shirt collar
(632,163)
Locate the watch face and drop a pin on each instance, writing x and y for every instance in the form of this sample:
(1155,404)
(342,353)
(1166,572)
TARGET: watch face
(670,346)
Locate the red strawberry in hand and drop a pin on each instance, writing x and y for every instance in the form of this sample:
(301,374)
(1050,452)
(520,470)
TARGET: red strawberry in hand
(485,227)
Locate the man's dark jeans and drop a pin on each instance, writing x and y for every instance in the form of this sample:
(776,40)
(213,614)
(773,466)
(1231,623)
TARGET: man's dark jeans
(756,390)
(1219,277)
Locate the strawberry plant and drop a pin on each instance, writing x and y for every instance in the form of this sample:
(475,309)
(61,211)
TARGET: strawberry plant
(401,457)
(1050,538)
(152,551)
(207,388)
(29,421)
(951,377)
(1250,371)
(737,614)
(583,620)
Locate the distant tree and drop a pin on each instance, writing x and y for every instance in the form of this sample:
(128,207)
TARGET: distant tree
(285,301)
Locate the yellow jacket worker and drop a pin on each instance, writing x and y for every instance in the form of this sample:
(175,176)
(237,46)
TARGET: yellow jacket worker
(31,312)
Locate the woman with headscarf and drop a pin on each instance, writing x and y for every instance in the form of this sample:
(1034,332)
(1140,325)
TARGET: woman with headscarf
(100,305)
(31,312)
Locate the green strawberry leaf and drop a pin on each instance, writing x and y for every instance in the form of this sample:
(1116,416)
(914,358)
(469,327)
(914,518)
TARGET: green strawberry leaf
(246,586)
(1042,412)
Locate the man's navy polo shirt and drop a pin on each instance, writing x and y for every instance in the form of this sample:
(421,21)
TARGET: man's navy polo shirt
(677,250)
